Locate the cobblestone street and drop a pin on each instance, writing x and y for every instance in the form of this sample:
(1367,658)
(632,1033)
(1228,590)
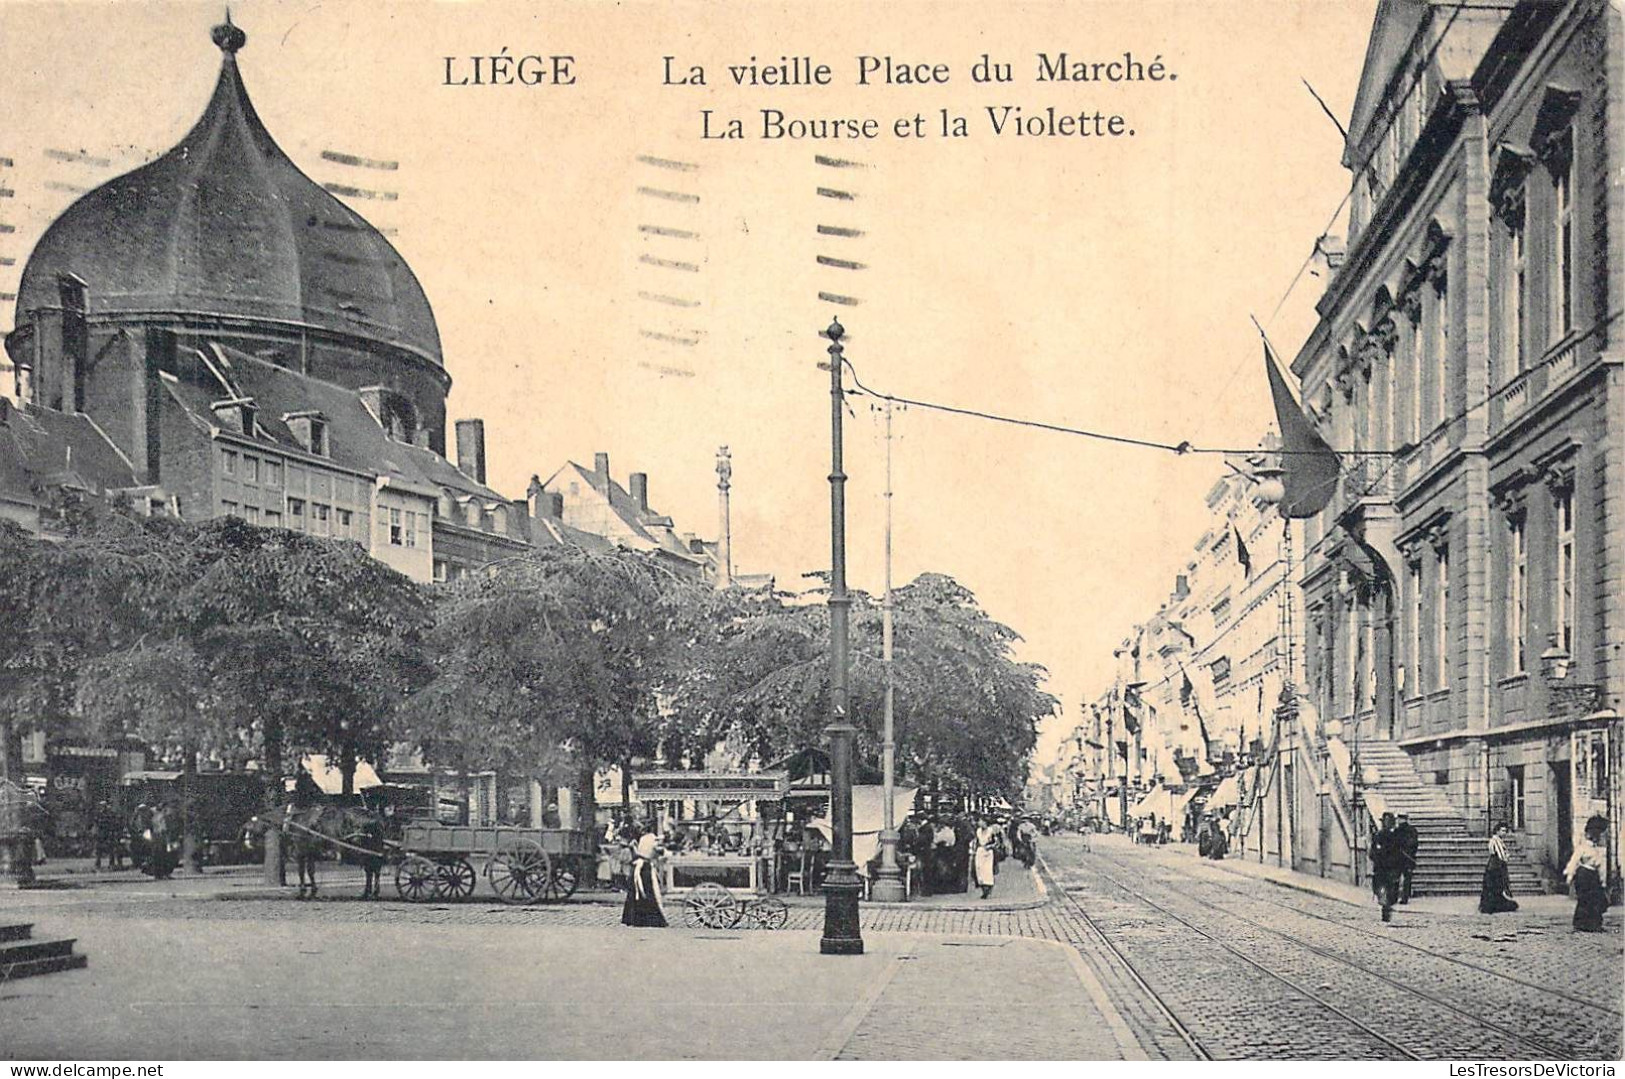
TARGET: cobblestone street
(1255,971)
(1139,952)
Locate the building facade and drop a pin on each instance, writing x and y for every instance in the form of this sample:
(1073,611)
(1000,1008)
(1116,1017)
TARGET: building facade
(1196,684)
(1464,590)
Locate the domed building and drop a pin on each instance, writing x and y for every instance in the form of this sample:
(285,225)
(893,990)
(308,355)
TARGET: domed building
(216,334)
(224,238)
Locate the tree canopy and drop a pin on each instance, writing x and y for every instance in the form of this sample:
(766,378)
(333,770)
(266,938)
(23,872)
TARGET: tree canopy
(245,643)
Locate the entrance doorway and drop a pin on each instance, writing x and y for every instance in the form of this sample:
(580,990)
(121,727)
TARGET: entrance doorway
(1560,802)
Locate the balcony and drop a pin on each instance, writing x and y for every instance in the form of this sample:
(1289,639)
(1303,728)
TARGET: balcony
(1532,385)
(1367,481)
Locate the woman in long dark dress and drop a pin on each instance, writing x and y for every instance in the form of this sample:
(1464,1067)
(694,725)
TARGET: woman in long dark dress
(1585,874)
(642,906)
(1495,897)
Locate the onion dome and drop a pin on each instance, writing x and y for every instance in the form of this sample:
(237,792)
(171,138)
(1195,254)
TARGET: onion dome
(225,227)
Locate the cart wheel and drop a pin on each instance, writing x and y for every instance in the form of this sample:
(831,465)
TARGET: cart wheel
(455,880)
(561,884)
(520,871)
(415,878)
(711,906)
(768,912)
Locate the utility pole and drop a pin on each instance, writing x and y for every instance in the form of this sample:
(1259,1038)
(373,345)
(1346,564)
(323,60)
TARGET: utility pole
(842,935)
(888,884)
(725,561)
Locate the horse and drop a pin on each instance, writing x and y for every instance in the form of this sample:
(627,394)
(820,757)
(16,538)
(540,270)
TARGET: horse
(310,830)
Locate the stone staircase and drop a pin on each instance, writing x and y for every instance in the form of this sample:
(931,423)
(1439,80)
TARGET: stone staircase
(21,956)
(1449,861)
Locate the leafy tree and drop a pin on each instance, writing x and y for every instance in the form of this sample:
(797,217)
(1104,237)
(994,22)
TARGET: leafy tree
(559,662)
(966,712)
(217,637)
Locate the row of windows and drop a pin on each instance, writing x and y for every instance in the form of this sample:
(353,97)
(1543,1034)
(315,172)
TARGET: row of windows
(1532,290)
(1426,617)
(251,470)
(316,518)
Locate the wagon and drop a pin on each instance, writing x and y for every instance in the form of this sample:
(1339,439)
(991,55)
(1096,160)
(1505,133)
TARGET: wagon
(523,865)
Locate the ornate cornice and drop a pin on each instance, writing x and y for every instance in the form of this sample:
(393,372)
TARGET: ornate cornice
(1510,165)
(1556,468)
(1511,494)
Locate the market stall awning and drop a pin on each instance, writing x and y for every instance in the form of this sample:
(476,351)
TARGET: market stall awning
(868,815)
(331,780)
(1227,793)
(710,786)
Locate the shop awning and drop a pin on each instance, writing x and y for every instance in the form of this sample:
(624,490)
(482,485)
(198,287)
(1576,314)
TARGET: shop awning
(710,786)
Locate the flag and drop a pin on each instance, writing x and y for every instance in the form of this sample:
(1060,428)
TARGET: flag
(1242,554)
(1131,709)
(1311,465)
(1187,697)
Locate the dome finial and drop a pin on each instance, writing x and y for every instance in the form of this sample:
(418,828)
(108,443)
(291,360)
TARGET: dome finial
(227,38)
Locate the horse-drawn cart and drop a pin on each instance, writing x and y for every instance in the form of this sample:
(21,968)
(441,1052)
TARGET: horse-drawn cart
(524,865)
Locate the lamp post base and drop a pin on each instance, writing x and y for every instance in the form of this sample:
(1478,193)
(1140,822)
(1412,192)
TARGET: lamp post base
(841,933)
(887,887)
(16,861)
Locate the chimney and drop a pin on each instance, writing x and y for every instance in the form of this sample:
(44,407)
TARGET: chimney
(160,356)
(471,449)
(640,490)
(75,341)
(1182,586)
(600,468)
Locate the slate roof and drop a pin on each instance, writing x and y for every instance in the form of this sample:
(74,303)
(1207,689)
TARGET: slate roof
(651,527)
(41,447)
(355,438)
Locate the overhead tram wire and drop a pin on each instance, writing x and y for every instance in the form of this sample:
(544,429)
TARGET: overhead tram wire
(1180,448)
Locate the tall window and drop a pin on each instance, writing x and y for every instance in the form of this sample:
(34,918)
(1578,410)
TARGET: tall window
(1413,357)
(1518,597)
(1516,811)
(1441,616)
(1565,570)
(1563,238)
(1441,349)
(1517,277)
(1418,664)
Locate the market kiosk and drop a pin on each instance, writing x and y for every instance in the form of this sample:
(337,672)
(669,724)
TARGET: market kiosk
(727,822)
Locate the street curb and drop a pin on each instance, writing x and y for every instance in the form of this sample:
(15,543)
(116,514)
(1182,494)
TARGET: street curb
(836,1040)
(1130,1046)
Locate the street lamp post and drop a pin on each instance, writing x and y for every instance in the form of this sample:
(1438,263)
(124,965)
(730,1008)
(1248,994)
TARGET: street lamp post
(888,883)
(841,933)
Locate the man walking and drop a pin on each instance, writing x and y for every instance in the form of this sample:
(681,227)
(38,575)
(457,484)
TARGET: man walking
(1409,843)
(1387,857)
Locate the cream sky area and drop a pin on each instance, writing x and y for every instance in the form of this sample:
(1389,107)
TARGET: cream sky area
(1083,281)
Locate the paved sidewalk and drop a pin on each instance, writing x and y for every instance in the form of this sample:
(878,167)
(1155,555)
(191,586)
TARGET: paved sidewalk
(271,989)
(1016,888)
(1541,906)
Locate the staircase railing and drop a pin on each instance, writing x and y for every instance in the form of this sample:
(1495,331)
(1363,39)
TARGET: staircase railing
(1329,778)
